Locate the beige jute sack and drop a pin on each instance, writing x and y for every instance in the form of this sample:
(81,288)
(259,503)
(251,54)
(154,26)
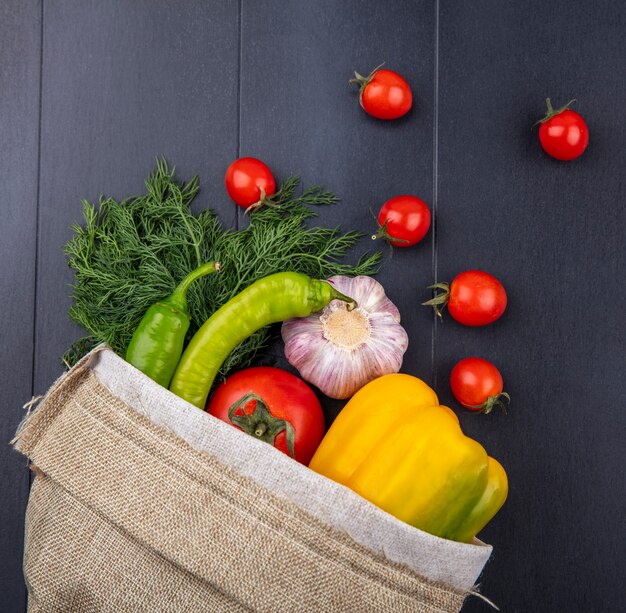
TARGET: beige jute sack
(141,502)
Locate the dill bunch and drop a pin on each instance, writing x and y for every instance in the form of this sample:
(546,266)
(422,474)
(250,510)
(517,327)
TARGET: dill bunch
(130,254)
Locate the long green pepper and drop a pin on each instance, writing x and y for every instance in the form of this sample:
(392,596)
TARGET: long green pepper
(157,343)
(269,300)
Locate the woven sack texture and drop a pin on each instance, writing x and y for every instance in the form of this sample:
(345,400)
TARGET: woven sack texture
(125,514)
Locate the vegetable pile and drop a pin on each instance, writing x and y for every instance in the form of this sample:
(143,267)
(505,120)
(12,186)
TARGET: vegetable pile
(187,302)
(144,286)
(132,254)
(272,299)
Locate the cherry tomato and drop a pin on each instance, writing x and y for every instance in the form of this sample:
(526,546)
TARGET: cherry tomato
(384,94)
(563,133)
(272,405)
(477,385)
(474,298)
(403,221)
(249,181)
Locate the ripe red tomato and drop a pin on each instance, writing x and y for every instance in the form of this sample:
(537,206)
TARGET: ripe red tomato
(563,133)
(249,181)
(272,405)
(403,221)
(384,94)
(474,298)
(477,385)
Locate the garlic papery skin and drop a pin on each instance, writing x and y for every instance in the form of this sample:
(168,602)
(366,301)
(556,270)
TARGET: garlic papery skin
(339,351)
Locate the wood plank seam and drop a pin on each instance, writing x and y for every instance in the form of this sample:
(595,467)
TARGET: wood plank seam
(239,70)
(38,202)
(37,247)
(433,375)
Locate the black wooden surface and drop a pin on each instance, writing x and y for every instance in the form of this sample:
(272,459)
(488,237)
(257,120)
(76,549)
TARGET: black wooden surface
(91,92)
(20,55)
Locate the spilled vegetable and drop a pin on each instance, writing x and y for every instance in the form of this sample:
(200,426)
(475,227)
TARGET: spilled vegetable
(474,298)
(384,93)
(477,385)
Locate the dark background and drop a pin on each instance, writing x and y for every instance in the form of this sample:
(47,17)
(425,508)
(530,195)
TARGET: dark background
(92,91)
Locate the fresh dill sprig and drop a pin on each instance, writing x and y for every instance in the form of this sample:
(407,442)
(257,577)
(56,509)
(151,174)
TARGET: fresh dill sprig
(130,254)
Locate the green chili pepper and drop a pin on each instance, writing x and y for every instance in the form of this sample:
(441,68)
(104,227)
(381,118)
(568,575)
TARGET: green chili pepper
(269,300)
(157,343)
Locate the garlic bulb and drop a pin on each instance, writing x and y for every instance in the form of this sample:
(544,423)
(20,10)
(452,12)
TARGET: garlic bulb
(338,350)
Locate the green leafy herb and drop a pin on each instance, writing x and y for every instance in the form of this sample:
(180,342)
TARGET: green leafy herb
(130,254)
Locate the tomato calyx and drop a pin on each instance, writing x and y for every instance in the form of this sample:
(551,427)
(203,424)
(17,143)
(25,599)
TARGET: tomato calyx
(264,200)
(440,301)
(491,402)
(382,232)
(552,112)
(260,423)
(272,201)
(363,82)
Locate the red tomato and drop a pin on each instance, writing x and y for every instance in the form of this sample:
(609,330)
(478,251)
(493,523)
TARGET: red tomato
(474,298)
(477,385)
(249,181)
(405,219)
(384,94)
(563,133)
(272,405)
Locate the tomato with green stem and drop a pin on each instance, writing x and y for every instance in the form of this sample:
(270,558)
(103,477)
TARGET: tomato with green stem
(477,385)
(403,221)
(274,406)
(474,298)
(250,183)
(563,133)
(384,94)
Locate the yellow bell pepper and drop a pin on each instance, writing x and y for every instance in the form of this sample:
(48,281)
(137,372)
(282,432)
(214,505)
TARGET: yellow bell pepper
(396,446)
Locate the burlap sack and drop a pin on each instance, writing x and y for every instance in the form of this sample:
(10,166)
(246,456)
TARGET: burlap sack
(142,502)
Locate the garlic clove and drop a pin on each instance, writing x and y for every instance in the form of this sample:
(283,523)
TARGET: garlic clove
(302,325)
(306,352)
(387,355)
(338,374)
(386,330)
